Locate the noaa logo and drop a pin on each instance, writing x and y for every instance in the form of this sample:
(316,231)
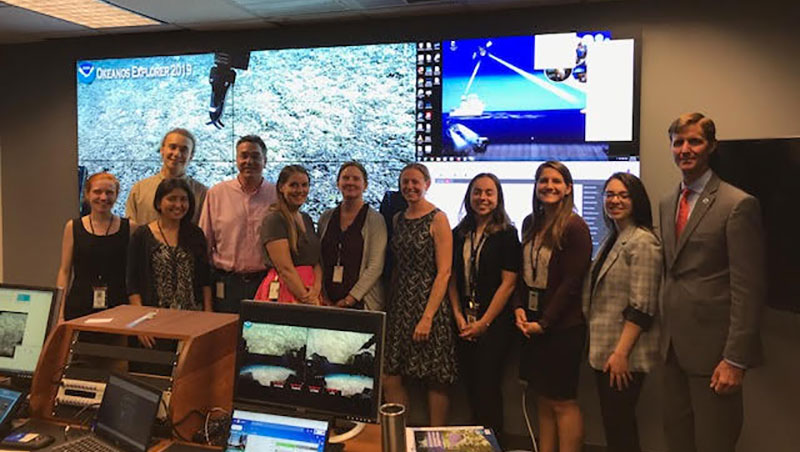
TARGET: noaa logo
(86,72)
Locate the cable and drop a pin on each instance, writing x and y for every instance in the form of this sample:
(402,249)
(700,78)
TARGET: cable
(525,413)
(186,417)
(208,416)
(85,407)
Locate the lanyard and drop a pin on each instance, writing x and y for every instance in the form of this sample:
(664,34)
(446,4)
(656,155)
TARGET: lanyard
(473,261)
(99,277)
(173,258)
(110,223)
(535,259)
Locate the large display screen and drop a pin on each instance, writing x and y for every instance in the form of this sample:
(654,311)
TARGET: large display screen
(318,107)
(567,96)
(509,102)
(735,162)
(325,360)
(449,184)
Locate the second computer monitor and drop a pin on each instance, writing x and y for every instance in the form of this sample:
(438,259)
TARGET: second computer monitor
(26,315)
(312,358)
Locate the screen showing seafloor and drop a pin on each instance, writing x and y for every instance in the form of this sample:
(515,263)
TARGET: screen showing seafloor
(314,368)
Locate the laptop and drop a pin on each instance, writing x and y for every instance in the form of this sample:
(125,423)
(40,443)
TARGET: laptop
(9,402)
(124,421)
(256,429)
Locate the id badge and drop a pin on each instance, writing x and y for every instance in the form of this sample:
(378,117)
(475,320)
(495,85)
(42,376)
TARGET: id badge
(472,311)
(220,289)
(274,290)
(338,273)
(99,297)
(533,299)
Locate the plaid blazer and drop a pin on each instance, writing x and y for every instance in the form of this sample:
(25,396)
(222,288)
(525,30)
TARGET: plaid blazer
(628,282)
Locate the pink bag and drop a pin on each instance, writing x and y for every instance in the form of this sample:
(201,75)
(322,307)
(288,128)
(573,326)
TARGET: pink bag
(306,273)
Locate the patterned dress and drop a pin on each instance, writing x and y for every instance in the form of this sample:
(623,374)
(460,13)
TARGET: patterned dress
(412,280)
(173,272)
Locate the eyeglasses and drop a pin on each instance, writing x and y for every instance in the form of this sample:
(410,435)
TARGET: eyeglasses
(622,196)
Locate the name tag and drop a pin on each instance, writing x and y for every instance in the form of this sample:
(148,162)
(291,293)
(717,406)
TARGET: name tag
(220,289)
(274,290)
(472,311)
(533,299)
(99,297)
(338,273)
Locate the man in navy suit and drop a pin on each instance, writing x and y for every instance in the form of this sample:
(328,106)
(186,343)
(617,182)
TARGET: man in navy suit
(712,296)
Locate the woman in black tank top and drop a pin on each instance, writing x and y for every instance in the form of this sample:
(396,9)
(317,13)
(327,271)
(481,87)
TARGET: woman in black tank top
(94,252)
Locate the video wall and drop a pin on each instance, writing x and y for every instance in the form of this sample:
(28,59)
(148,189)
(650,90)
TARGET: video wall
(319,107)
(499,101)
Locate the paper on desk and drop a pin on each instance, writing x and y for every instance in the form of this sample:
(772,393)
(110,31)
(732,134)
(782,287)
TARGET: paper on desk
(474,438)
(102,320)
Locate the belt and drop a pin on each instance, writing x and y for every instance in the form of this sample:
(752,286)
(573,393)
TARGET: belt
(245,276)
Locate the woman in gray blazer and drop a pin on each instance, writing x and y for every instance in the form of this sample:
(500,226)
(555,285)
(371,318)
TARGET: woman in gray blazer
(620,303)
(353,245)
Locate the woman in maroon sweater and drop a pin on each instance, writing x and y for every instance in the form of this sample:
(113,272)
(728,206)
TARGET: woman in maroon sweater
(557,250)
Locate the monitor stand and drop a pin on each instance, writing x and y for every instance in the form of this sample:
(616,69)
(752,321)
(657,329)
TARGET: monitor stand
(343,430)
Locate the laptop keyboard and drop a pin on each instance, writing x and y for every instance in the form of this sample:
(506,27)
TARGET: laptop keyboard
(88,443)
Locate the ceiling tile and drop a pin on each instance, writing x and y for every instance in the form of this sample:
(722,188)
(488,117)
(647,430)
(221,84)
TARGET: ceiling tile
(284,8)
(181,12)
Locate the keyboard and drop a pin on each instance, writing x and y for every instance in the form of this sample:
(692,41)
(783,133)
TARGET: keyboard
(88,443)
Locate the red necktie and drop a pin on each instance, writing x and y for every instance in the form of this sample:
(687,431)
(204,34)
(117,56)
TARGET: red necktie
(683,213)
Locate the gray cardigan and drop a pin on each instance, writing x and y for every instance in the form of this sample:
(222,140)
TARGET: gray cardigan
(369,287)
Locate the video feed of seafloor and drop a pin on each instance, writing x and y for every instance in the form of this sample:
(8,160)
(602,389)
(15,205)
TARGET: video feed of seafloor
(12,330)
(288,362)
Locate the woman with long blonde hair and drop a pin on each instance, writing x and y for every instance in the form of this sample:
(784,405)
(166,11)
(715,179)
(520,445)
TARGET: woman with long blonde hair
(290,242)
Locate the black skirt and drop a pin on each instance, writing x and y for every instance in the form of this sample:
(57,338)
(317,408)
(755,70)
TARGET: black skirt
(551,362)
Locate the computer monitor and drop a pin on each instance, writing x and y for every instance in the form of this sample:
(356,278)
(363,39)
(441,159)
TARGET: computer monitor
(26,315)
(312,359)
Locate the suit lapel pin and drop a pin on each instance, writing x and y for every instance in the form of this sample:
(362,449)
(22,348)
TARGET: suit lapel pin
(706,200)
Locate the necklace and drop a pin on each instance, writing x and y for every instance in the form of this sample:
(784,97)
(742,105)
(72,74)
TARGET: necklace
(110,223)
(161,231)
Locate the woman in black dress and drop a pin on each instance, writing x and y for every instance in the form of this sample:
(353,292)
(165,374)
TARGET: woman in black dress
(486,260)
(93,253)
(421,341)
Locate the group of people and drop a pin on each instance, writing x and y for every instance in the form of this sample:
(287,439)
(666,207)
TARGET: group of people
(457,299)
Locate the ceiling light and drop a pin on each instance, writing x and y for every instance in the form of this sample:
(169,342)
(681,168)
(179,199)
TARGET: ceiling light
(89,13)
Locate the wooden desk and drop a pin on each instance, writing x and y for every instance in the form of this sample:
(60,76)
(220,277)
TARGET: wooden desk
(369,440)
(201,377)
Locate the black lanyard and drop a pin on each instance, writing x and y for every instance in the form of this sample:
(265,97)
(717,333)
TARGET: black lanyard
(99,278)
(110,223)
(473,261)
(173,257)
(535,259)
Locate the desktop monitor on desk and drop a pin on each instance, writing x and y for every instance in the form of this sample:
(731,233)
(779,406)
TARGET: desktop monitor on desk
(311,359)
(26,315)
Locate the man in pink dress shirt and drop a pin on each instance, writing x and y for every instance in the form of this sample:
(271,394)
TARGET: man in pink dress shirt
(231,218)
